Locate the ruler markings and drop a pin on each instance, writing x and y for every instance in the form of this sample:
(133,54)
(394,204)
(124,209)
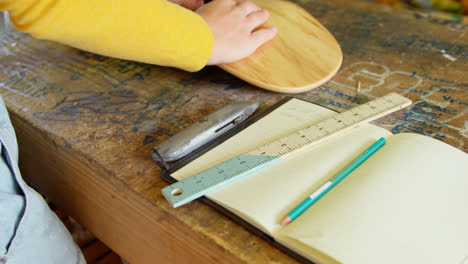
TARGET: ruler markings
(261,156)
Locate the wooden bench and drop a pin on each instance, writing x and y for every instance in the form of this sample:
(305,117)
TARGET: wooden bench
(86,123)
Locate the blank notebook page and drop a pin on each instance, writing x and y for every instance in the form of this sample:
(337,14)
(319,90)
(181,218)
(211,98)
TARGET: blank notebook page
(407,204)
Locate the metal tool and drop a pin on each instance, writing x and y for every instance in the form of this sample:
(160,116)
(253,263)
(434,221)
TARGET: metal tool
(261,156)
(203,131)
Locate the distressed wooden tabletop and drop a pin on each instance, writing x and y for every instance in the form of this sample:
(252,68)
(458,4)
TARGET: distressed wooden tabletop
(86,123)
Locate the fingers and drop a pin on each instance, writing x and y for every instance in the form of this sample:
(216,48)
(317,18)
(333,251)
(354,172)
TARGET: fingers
(263,35)
(237,29)
(247,7)
(258,18)
(255,19)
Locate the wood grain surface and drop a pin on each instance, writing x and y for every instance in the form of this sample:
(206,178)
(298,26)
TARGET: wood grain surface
(86,123)
(302,56)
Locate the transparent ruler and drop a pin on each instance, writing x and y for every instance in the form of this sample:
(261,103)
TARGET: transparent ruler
(266,154)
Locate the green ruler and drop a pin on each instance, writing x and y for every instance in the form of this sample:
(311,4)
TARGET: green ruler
(266,154)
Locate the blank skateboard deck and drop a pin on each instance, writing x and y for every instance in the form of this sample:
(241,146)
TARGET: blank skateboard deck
(302,56)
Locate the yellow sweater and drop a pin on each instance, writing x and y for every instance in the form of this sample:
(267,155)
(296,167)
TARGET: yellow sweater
(151,31)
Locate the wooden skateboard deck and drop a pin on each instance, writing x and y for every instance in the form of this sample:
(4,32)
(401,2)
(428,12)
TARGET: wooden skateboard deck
(302,56)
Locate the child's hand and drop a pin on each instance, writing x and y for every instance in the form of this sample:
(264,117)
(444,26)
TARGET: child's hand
(189,4)
(233,26)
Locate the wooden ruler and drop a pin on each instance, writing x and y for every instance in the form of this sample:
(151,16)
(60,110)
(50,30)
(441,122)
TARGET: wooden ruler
(266,154)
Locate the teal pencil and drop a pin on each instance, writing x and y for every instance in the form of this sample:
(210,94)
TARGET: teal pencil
(332,182)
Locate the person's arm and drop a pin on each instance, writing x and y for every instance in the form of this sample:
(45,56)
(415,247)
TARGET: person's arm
(151,31)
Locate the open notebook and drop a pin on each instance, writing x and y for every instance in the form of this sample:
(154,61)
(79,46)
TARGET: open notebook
(408,203)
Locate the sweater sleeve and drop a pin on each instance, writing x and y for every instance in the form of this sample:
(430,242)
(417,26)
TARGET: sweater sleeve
(150,31)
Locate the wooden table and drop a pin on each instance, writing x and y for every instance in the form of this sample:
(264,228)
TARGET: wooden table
(86,123)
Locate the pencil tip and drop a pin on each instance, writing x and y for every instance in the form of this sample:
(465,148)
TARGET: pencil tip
(286,221)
